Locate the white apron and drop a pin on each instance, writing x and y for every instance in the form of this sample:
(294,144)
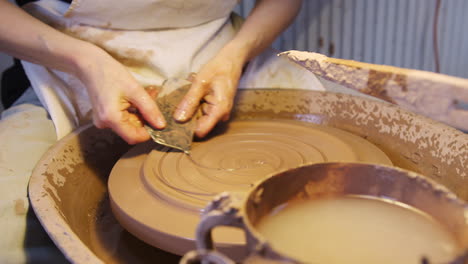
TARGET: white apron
(155,40)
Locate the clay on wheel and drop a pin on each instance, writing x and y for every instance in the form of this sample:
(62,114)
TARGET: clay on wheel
(157,193)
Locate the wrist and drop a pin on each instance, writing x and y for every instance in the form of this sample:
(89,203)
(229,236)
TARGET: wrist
(83,60)
(237,51)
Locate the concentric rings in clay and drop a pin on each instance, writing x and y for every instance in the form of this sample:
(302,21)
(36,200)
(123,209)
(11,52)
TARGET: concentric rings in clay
(157,193)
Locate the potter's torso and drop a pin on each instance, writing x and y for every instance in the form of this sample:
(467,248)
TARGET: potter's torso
(155,40)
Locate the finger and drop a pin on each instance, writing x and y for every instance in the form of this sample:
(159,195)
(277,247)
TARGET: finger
(131,128)
(134,120)
(191,77)
(127,125)
(131,133)
(212,115)
(189,104)
(208,108)
(152,91)
(147,108)
(205,124)
(104,116)
(226,117)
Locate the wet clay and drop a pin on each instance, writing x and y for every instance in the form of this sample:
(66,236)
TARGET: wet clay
(247,152)
(115,245)
(80,195)
(359,210)
(151,183)
(438,96)
(362,229)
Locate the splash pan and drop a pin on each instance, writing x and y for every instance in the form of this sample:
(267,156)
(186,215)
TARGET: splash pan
(68,188)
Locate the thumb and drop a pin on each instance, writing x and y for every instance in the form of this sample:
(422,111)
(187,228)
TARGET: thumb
(147,108)
(189,104)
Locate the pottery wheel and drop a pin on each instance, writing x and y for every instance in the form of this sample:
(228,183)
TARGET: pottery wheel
(157,193)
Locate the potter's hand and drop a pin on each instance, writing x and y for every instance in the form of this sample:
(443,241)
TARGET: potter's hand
(110,86)
(114,95)
(214,87)
(216,82)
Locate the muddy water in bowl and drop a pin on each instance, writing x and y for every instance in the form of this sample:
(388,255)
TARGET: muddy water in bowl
(357,230)
(342,213)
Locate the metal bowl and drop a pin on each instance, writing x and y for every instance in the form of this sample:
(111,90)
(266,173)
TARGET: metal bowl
(404,189)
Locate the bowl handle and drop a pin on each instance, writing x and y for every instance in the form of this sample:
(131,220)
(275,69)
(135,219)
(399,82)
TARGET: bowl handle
(224,210)
(203,256)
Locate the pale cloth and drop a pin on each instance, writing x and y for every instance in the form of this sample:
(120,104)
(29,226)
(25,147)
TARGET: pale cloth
(156,40)
(26,133)
(183,38)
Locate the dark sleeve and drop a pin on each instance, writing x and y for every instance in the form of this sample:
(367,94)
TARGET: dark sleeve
(13,82)
(23,2)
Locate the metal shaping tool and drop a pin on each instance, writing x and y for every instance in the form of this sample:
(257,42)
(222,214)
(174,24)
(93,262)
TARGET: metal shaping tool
(175,135)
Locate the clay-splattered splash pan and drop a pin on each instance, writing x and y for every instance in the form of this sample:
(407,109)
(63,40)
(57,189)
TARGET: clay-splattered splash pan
(68,188)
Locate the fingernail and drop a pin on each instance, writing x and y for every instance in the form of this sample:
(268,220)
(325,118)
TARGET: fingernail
(199,131)
(181,115)
(161,123)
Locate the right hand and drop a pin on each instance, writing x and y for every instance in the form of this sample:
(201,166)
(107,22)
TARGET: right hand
(114,93)
(111,88)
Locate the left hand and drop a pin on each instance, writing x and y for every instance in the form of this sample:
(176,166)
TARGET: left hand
(215,84)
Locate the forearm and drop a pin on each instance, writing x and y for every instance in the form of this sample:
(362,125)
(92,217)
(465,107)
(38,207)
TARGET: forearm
(267,20)
(111,88)
(27,38)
